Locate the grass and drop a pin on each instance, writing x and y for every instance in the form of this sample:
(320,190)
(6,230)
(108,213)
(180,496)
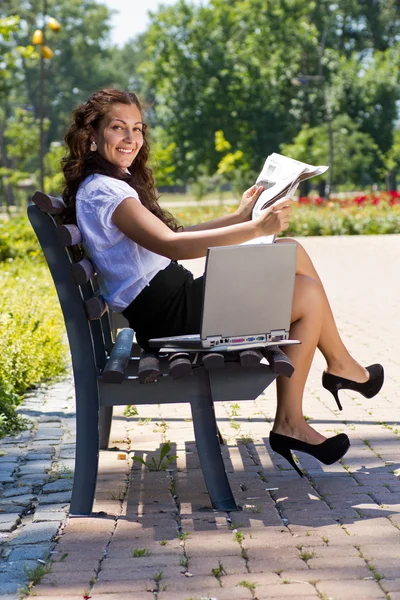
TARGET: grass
(163,460)
(158,575)
(139,552)
(34,576)
(130,411)
(118,495)
(239,537)
(219,571)
(305,555)
(248,585)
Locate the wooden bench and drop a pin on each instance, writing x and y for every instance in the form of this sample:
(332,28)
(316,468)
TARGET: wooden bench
(109,371)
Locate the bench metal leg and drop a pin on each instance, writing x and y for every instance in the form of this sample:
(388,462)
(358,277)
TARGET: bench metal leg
(208,449)
(87,444)
(105,418)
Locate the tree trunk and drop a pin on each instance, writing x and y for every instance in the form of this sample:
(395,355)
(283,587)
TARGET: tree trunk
(392,180)
(304,187)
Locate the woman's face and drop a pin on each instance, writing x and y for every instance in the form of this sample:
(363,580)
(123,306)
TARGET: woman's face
(120,135)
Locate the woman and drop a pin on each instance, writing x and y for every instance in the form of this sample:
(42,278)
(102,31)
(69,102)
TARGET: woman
(134,244)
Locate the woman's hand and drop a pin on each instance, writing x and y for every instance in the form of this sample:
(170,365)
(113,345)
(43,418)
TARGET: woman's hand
(275,218)
(249,198)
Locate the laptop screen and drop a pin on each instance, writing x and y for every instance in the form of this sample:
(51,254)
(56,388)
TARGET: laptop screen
(248,289)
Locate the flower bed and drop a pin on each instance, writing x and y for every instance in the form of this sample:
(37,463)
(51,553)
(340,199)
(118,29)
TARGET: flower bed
(361,214)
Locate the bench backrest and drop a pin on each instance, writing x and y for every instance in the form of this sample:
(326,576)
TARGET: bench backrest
(85,313)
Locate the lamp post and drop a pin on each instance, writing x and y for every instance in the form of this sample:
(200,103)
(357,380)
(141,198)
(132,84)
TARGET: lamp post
(38,39)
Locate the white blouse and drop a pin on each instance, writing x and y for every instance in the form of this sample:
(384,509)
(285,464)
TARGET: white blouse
(124,267)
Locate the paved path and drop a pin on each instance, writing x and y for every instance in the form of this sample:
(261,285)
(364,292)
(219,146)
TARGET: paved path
(333,534)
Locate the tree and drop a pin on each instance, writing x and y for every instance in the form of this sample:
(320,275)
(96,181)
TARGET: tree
(81,56)
(357,157)
(225,66)
(10,78)
(82,63)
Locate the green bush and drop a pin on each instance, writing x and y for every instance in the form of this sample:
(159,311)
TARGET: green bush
(338,220)
(32,339)
(17,239)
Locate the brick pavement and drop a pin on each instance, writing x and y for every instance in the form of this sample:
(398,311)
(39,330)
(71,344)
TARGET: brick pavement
(333,534)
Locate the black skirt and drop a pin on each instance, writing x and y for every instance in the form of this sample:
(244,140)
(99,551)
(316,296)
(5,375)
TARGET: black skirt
(170,305)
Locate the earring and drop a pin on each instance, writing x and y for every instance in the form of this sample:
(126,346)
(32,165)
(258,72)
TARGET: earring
(93,146)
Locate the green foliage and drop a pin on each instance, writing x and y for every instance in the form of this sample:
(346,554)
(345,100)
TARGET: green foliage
(212,70)
(163,461)
(80,62)
(356,157)
(34,577)
(336,220)
(221,144)
(53,176)
(140,552)
(230,67)
(32,347)
(130,411)
(247,584)
(219,571)
(231,161)
(258,75)
(306,220)
(11,54)
(22,134)
(18,240)
(162,158)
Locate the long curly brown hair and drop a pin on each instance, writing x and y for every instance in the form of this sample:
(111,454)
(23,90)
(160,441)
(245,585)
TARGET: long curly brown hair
(81,162)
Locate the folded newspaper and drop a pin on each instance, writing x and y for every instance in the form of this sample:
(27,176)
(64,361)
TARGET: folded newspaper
(280,177)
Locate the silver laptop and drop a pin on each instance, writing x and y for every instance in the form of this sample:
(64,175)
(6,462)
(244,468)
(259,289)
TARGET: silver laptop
(247,298)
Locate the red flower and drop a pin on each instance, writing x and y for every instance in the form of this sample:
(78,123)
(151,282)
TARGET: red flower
(359,199)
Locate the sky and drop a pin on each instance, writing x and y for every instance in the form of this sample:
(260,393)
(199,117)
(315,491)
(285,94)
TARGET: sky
(131,18)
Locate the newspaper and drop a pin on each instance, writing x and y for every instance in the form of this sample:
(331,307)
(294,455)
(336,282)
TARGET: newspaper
(280,177)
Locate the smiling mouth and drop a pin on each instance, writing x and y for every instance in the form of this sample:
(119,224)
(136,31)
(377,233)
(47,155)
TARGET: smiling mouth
(124,151)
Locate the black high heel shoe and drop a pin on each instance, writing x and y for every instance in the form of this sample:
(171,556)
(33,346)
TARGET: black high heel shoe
(334,383)
(327,452)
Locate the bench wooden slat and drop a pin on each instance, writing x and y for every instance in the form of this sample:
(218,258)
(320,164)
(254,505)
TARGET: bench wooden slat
(250,358)
(279,362)
(69,235)
(213,360)
(82,271)
(48,204)
(149,368)
(95,308)
(114,371)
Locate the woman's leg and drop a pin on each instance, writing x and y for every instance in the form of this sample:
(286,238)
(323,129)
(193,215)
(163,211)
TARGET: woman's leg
(307,317)
(339,360)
